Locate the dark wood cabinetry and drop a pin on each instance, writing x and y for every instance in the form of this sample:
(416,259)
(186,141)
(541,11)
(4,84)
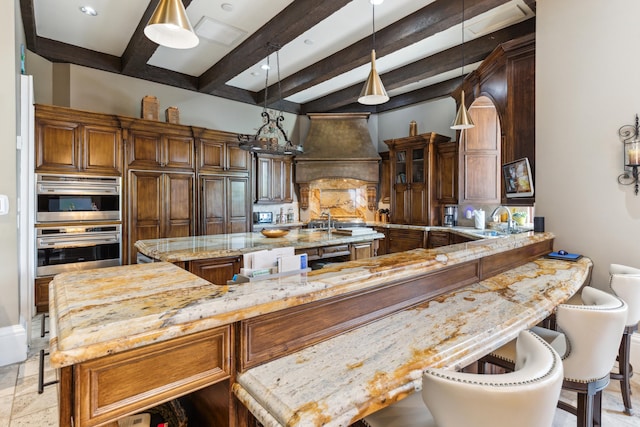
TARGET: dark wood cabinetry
(160,204)
(274,179)
(153,145)
(384,190)
(400,240)
(216,270)
(507,77)
(42,294)
(480,156)
(413,192)
(447,173)
(68,141)
(224,204)
(219,152)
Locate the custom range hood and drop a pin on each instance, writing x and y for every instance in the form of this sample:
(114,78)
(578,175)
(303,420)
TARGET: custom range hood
(339,146)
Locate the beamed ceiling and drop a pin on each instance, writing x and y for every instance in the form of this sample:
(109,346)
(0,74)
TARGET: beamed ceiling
(324,54)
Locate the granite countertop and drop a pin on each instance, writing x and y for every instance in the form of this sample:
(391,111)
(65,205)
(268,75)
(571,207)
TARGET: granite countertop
(192,248)
(377,364)
(94,313)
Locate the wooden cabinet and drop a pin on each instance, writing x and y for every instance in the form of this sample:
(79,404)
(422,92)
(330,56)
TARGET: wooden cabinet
(224,204)
(42,294)
(111,387)
(413,192)
(447,173)
(160,204)
(216,270)
(274,179)
(156,145)
(480,156)
(439,238)
(384,190)
(507,76)
(68,141)
(363,250)
(383,244)
(219,152)
(401,240)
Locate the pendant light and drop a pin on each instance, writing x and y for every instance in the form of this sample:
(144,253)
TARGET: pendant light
(270,138)
(170,27)
(463,119)
(373,92)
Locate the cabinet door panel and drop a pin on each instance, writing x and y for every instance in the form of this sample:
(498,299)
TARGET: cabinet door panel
(238,205)
(178,205)
(239,160)
(57,144)
(144,149)
(211,154)
(103,149)
(263,187)
(216,271)
(145,190)
(212,196)
(277,180)
(418,207)
(179,152)
(480,178)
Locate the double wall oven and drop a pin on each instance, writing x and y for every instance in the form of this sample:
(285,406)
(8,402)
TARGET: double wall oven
(78,223)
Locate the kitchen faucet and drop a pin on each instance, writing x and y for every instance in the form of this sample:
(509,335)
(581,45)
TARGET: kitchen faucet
(509,221)
(328,215)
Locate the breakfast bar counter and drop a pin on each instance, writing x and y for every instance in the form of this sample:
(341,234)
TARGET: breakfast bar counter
(359,333)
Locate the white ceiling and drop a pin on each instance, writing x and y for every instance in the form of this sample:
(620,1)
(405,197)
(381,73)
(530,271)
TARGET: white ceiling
(110,31)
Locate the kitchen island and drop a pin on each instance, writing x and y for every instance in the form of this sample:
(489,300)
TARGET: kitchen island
(360,331)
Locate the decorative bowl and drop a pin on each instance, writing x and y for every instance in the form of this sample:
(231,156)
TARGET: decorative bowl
(274,232)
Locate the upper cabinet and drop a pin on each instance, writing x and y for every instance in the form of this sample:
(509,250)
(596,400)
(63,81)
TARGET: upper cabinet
(219,152)
(447,173)
(157,145)
(69,141)
(274,179)
(480,155)
(507,78)
(412,172)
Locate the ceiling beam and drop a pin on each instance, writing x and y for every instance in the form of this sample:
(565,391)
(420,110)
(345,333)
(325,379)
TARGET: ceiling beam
(29,24)
(294,20)
(474,51)
(431,19)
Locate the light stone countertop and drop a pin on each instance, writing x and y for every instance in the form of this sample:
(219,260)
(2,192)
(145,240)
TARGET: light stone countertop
(94,313)
(191,248)
(343,379)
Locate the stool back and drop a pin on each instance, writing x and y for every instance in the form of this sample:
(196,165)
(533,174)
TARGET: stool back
(593,332)
(627,288)
(526,397)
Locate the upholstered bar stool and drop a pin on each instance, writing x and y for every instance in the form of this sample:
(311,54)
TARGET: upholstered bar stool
(625,282)
(588,342)
(526,397)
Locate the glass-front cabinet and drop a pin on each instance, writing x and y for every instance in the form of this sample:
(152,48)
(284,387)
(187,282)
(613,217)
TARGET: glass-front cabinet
(412,171)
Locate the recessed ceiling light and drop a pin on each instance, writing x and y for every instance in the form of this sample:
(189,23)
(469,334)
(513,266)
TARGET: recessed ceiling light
(265,66)
(227,7)
(308,41)
(88,10)
(255,74)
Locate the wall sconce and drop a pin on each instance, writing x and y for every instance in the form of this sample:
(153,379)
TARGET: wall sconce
(629,135)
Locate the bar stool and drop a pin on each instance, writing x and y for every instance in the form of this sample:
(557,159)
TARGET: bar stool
(454,399)
(625,282)
(587,340)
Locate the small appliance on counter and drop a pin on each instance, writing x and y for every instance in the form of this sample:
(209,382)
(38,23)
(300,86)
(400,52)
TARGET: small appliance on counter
(262,217)
(450,216)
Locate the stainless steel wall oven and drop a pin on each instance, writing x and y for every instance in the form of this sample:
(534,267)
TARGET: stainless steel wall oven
(64,198)
(76,247)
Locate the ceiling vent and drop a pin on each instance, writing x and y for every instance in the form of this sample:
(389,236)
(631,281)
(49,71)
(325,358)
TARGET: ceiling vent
(218,32)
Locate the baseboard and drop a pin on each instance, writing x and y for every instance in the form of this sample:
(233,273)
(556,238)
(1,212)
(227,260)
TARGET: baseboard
(13,342)
(635,352)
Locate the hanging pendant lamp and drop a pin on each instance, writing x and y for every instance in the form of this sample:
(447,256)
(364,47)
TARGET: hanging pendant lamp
(373,92)
(463,119)
(170,27)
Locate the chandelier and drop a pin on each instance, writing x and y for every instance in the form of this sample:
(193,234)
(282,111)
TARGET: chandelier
(270,137)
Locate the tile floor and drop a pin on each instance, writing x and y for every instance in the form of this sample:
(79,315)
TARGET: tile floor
(22,406)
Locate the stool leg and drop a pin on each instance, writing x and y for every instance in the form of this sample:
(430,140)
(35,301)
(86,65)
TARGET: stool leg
(585,410)
(597,409)
(625,371)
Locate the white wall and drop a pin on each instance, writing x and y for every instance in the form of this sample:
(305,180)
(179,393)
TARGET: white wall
(431,116)
(587,86)
(12,333)
(103,92)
